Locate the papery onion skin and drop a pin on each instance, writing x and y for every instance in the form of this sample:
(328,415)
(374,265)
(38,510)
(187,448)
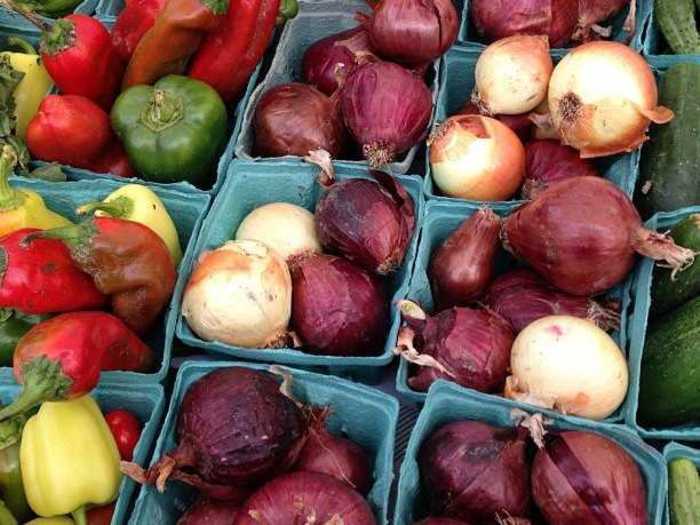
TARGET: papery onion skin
(521,125)
(294,119)
(384,124)
(512,75)
(305,497)
(413,32)
(581,235)
(206,511)
(240,294)
(463,266)
(581,477)
(592,12)
(333,56)
(477,158)
(549,161)
(472,471)
(337,307)
(604,117)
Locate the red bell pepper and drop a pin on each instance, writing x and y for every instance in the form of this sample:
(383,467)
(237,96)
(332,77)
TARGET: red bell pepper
(100,515)
(126,429)
(62,358)
(137,17)
(41,277)
(114,160)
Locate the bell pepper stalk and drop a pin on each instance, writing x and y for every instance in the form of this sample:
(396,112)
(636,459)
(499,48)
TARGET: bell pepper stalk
(13,325)
(69,459)
(128,262)
(136,202)
(62,358)
(173,130)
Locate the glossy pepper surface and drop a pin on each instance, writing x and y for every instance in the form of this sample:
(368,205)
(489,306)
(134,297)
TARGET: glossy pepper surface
(176,34)
(137,17)
(173,130)
(69,459)
(13,325)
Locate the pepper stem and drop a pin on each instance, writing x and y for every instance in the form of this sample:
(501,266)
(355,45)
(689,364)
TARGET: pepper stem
(163,111)
(121,207)
(72,235)
(31,16)
(57,37)
(43,380)
(288,10)
(79,516)
(10,198)
(21,44)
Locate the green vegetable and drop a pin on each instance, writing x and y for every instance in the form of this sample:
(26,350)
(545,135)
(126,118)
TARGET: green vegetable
(6,517)
(13,325)
(11,485)
(683,492)
(671,159)
(173,130)
(668,390)
(676,19)
(50,8)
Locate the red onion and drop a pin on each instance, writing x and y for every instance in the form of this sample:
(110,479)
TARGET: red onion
(581,477)
(520,124)
(522,297)
(209,512)
(305,498)
(581,235)
(496,19)
(465,345)
(441,521)
(336,456)
(337,307)
(369,222)
(294,119)
(334,55)
(549,161)
(464,264)
(593,12)
(386,108)
(235,428)
(413,32)
(476,472)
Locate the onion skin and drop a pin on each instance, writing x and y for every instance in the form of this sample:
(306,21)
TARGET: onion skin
(520,124)
(209,512)
(474,472)
(522,297)
(384,124)
(463,266)
(413,32)
(369,222)
(592,12)
(549,161)
(581,235)
(581,477)
(305,497)
(592,116)
(477,158)
(325,285)
(294,119)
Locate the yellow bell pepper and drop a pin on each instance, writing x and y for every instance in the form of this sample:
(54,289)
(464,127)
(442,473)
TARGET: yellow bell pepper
(139,203)
(22,208)
(69,459)
(60,520)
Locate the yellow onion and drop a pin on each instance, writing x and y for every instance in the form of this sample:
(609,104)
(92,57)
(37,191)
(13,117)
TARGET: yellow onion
(478,158)
(512,75)
(240,294)
(602,98)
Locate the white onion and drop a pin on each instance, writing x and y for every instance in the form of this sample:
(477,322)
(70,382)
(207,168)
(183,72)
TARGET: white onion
(284,227)
(512,75)
(602,98)
(478,158)
(240,294)
(568,364)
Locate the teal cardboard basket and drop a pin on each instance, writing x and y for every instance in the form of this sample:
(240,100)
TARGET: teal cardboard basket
(677,451)
(638,323)
(316,20)
(447,403)
(365,415)
(456,86)
(440,220)
(187,211)
(252,184)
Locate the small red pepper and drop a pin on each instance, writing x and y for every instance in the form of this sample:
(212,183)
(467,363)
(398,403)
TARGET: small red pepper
(100,515)
(62,358)
(175,36)
(126,429)
(41,277)
(114,160)
(127,260)
(137,17)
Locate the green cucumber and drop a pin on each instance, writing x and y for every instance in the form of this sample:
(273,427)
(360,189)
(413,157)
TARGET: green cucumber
(667,292)
(676,19)
(671,159)
(669,390)
(683,492)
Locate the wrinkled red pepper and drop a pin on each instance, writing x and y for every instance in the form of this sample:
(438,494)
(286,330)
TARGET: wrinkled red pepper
(62,358)
(137,17)
(128,262)
(41,277)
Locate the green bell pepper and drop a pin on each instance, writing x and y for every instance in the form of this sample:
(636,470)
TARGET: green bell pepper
(173,130)
(13,325)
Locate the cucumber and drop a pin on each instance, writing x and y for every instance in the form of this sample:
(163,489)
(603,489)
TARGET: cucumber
(671,159)
(669,390)
(683,492)
(668,293)
(676,19)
